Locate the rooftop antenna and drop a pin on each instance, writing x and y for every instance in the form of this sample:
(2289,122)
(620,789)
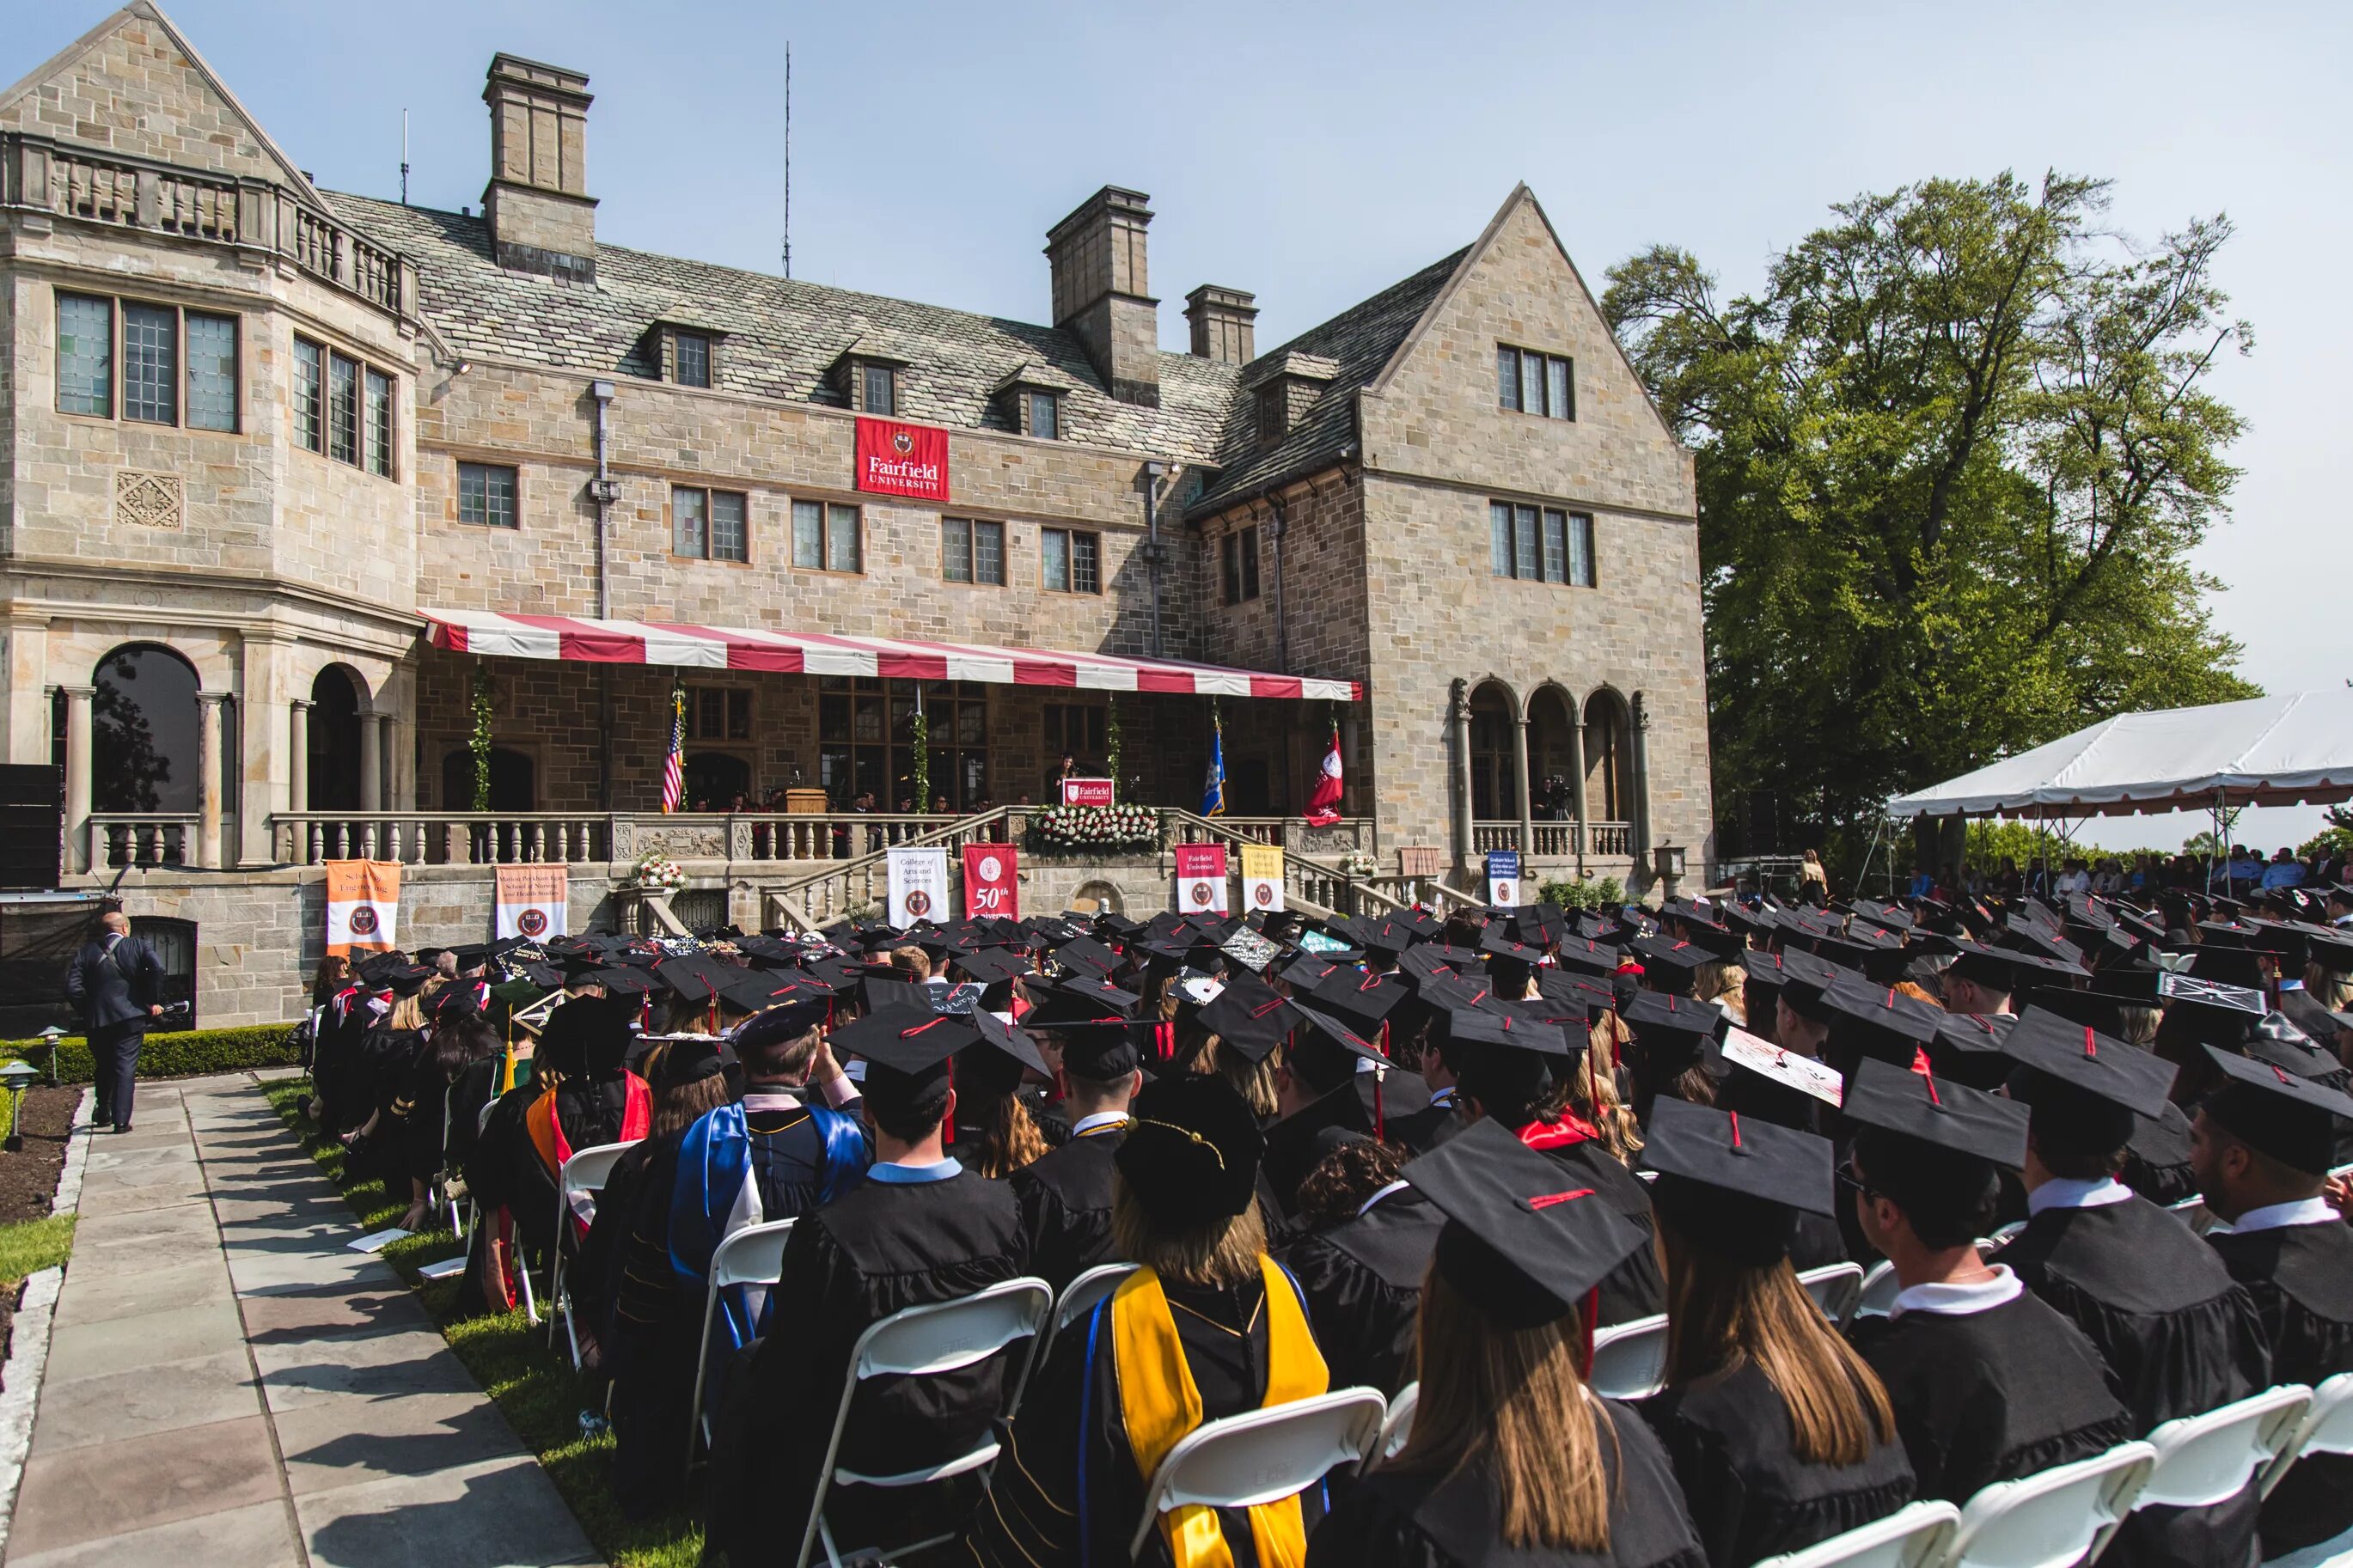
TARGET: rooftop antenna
(789,163)
(403,157)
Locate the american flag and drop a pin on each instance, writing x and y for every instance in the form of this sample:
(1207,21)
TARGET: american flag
(674,765)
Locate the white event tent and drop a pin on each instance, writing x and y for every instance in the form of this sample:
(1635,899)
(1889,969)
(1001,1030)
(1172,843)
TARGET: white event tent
(2266,750)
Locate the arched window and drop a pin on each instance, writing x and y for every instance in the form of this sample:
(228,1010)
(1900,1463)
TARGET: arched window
(514,781)
(142,741)
(334,742)
(1552,755)
(1608,758)
(1494,782)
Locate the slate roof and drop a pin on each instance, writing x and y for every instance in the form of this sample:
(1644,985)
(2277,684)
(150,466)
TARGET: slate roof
(782,340)
(1359,339)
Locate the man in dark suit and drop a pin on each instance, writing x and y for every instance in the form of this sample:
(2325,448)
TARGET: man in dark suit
(117,982)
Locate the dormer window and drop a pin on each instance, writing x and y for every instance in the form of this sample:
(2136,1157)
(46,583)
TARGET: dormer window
(1273,412)
(1028,399)
(690,358)
(878,387)
(1041,415)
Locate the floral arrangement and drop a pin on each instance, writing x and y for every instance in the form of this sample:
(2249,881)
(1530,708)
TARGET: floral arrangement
(1068,828)
(477,739)
(657,873)
(1357,865)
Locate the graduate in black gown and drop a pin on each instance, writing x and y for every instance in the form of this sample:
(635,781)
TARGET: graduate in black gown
(1988,1383)
(1066,1196)
(2180,1334)
(919,1229)
(787,1141)
(1511,1458)
(1207,1326)
(2261,1147)
(1511,1073)
(1779,1433)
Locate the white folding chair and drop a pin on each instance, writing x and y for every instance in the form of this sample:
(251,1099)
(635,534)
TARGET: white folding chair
(2326,1427)
(1879,1288)
(1837,1289)
(1396,1426)
(1261,1456)
(2206,1459)
(753,1256)
(577,1185)
(1912,1537)
(1629,1360)
(2050,1518)
(2004,1233)
(1079,1297)
(926,1341)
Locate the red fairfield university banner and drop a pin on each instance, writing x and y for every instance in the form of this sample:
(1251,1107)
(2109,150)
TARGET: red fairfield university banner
(990,881)
(896,459)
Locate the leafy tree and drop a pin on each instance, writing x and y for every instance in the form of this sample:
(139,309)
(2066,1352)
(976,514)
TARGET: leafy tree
(1951,459)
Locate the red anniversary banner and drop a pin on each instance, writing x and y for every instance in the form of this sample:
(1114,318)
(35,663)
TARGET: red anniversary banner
(991,881)
(896,459)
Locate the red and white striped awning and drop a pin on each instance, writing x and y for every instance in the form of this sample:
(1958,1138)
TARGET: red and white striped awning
(583,640)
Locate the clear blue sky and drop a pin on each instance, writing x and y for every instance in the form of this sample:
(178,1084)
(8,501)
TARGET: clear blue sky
(1314,154)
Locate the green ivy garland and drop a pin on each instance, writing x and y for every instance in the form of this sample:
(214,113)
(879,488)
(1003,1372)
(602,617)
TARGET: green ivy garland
(1112,745)
(922,765)
(479,743)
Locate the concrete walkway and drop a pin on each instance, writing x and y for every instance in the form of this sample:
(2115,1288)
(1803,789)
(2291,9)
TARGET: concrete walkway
(228,1384)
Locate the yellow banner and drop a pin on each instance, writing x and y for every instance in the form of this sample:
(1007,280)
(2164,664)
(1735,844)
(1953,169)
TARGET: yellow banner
(1262,877)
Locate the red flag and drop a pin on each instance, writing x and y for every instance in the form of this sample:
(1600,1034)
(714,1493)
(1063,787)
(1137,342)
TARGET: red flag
(1323,803)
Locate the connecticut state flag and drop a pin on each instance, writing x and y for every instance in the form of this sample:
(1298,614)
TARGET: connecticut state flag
(1213,787)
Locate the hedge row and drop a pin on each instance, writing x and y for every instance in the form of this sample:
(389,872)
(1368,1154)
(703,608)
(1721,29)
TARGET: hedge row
(187,1054)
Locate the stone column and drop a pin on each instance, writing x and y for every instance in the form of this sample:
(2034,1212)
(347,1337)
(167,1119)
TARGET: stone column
(1637,810)
(76,828)
(298,761)
(208,779)
(1528,806)
(372,762)
(1458,720)
(1576,783)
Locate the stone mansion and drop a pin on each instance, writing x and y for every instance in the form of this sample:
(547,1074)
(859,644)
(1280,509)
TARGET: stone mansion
(302,489)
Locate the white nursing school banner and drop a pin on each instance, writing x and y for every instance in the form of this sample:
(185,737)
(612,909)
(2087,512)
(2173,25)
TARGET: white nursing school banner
(919,885)
(531,902)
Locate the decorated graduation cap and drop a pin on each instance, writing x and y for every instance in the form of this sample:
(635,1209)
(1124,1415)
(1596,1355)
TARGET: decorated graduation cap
(1522,1242)
(1191,1153)
(2273,1111)
(2248,967)
(2084,1088)
(2276,1040)
(1732,1186)
(2208,1012)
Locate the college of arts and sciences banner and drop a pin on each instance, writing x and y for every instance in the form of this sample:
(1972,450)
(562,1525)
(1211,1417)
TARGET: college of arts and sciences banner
(531,901)
(362,906)
(919,885)
(1504,878)
(1200,878)
(896,459)
(1262,877)
(991,882)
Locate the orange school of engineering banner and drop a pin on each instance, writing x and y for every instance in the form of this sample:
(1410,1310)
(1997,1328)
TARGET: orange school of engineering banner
(362,906)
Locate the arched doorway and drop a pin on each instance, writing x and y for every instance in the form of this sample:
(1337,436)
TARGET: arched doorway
(713,780)
(143,739)
(514,782)
(1552,755)
(334,742)
(1494,780)
(1608,758)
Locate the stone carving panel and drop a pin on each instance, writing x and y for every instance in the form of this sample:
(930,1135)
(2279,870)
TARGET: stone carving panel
(150,501)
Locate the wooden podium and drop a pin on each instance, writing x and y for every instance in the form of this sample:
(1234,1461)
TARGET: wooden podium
(807,803)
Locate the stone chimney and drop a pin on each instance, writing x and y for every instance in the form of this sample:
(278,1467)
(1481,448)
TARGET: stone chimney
(1224,324)
(1101,290)
(542,217)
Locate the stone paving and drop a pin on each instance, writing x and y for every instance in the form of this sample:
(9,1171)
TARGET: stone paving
(229,1383)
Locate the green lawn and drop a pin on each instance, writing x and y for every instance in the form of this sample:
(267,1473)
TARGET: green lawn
(30,1246)
(532,1384)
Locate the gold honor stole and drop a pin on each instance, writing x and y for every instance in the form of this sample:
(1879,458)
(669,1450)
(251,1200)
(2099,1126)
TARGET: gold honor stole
(1159,1405)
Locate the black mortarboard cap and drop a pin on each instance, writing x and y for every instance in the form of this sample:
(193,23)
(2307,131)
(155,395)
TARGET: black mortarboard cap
(1363,999)
(1932,1111)
(2243,966)
(908,1043)
(989,965)
(1889,1022)
(1523,1241)
(2008,969)
(2276,1040)
(2097,1075)
(1087,955)
(1735,1187)
(1320,1030)
(781,1008)
(1669,964)
(1494,1027)
(1250,1017)
(2276,1112)
(1191,1153)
